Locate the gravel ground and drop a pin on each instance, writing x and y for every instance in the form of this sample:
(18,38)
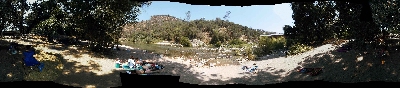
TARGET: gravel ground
(84,70)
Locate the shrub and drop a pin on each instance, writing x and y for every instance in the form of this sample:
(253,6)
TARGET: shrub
(298,48)
(184,41)
(250,54)
(266,45)
(236,42)
(218,44)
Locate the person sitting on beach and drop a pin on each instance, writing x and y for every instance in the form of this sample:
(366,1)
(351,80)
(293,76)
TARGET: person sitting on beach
(131,63)
(148,62)
(137,61)
(252,69)
(138,66)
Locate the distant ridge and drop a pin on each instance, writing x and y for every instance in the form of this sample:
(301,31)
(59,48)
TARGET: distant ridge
(160,26)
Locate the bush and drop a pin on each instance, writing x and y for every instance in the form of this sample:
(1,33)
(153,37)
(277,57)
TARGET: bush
(236,42)
(250,54)
(267,45)
(218,44)
(185,41)
(298,48)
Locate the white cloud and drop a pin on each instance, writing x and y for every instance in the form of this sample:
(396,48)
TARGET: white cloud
(284,11)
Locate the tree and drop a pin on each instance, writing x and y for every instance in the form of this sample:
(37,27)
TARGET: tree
(98,21)
(165,27)
(348,19)
(12,14)
(227,15)
(187,16)
(305,15)
(314,21)
(386,14)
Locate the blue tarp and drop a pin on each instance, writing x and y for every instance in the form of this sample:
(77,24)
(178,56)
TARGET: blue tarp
(29,59)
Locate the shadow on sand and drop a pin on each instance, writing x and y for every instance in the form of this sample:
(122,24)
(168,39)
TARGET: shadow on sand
(355,66)
(338,67)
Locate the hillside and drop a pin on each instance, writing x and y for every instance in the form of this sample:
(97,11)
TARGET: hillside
(170,28)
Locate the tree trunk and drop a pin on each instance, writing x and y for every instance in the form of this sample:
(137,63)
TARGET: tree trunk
(1,35)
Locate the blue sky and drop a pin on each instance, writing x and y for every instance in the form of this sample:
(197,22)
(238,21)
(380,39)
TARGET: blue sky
(266,17)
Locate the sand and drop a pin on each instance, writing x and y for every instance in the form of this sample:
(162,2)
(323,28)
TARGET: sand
(88,71)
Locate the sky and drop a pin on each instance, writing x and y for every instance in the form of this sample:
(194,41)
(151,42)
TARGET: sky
(267,17)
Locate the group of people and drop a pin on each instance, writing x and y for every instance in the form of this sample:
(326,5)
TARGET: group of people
(139,66)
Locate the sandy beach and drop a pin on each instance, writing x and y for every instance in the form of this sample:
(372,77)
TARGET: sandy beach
(100,72)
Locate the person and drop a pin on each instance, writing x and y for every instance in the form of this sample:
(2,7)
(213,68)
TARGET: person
(137,61)
(158,67)
(250,69)
(139,66)
(29,60)
(131,63)
(117,63)
(253,68)
(13,48)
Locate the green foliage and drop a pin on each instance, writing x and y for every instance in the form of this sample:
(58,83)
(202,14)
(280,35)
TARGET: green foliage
(218,44)
(185,41)
(312,22)
(250,54)
(386,14)
(165,27)
(298,48)
(318,21)
(86,20)
(12,14)
(267,45)
(236,42)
